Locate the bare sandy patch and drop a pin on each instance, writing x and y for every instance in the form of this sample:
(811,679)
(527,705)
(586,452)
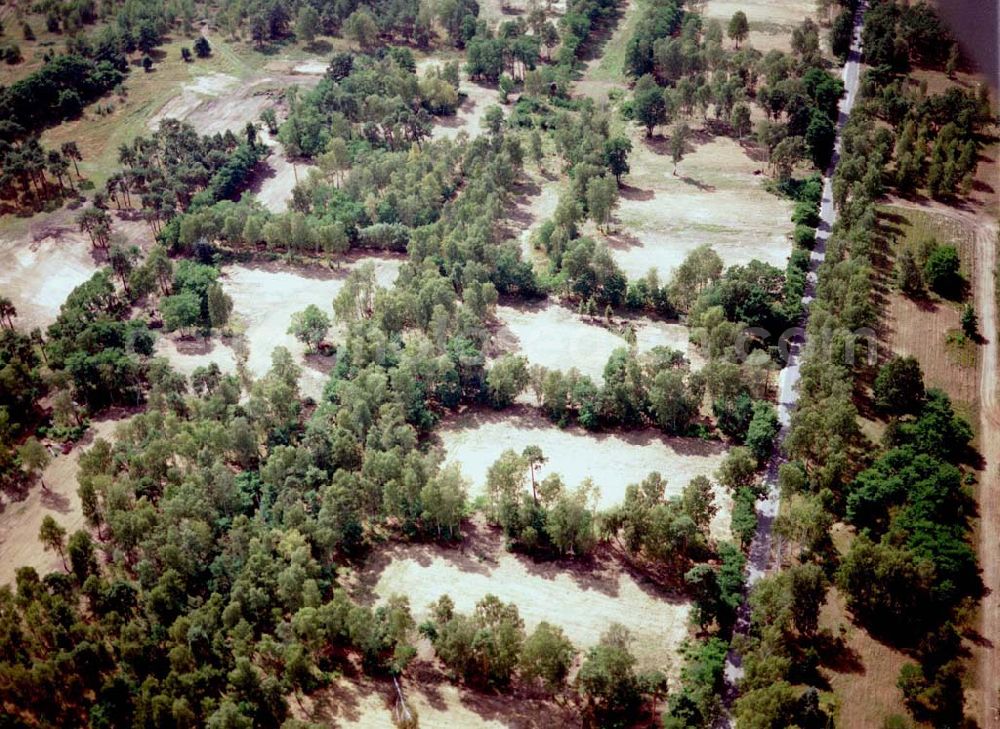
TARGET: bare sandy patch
(220,102)
(557,338)
(194,95)
(612,460)
(311,67)
(21,520)
(476,100)
(591,595)
(716,198)
(536,202)
(39,269)
(188,354)
(356,700)
(265,297)
(277,176)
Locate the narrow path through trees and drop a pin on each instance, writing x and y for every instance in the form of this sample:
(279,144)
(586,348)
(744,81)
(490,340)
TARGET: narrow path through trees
(788,382)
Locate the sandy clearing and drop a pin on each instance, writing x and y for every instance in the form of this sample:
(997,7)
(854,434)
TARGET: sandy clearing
(557,338)
(716,199)
(474,102)
(311,67)
(223,103)
(39,276)
(40,269)
(265,298)
(186,355)
(469,116)
(356,700)
(194,95)
(21,520)
(277,176)
(613,460)
(536,204)
(590,596)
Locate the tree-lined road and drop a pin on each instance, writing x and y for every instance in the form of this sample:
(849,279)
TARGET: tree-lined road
(788,381)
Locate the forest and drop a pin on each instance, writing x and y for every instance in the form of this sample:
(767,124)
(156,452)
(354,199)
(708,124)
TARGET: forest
(210,582)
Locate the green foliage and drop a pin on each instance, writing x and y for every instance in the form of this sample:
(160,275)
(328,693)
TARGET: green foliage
(899,386)
(942,271)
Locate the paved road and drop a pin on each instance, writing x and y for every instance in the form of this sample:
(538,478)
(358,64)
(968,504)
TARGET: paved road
(759,559)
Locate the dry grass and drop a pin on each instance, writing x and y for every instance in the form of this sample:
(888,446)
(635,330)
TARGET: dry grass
(864,680)
(612,460)
(925,329)
(591,594)
(716,198)
(771,21)
(99,136)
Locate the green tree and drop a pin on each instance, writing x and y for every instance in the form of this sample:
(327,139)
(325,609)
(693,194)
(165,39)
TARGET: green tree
(361,28)
(202,48)
(739,27)
(678,143)
(310,326)
(180,311)
(909,278)
(649,107)
(740,120)
(942,270)
(547,656)
(738,469)
(762,431)
(616,152)
(607,678)
(34,458)
(602,193)
(899,386)
(81,555)
(507,379)
(52,536)
(444,499)
(970,322)
(220,305)
(306,24)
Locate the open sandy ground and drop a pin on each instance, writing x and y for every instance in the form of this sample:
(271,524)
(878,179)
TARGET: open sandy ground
(265,297)
(590,594)
(39,269)
(356,700)
(476,439)
(277,176)
(536,198)
(716,198)
(187,354)
(21,520)
(475,100)
(218,101)
(557,338)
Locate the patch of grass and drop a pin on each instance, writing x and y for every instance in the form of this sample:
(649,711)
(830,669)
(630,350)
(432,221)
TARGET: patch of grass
(612,64)
(100,135)
(961,349)
(911,227)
